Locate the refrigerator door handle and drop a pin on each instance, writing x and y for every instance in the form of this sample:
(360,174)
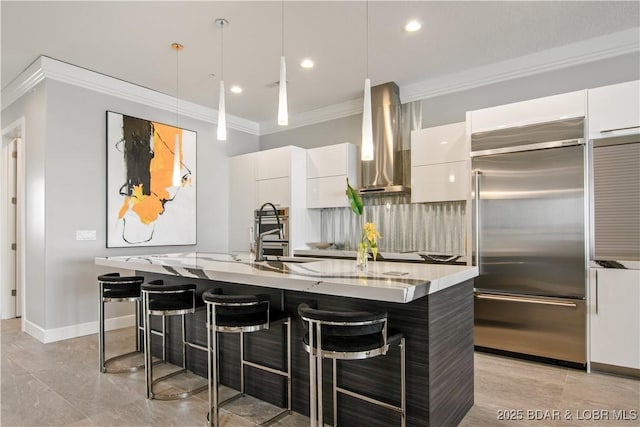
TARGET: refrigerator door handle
(526,299)
(476,177)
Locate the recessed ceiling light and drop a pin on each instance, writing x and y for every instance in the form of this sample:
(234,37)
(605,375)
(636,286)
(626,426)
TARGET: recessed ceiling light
(412,26)
(306,63)
(236,89)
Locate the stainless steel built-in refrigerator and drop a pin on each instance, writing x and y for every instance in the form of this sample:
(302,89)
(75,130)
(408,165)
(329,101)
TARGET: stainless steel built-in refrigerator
(529,240)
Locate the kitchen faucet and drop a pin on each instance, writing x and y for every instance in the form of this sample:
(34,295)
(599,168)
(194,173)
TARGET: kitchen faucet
(260,235)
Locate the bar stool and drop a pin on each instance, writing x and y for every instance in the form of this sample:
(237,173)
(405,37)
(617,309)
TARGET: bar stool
(167,300)
(240,314)
(116,288)
(347,336)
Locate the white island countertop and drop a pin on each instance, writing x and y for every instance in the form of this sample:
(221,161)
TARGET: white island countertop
(384,281)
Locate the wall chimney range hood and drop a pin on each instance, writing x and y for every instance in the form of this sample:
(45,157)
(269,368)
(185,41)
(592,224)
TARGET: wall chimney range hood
(390,170)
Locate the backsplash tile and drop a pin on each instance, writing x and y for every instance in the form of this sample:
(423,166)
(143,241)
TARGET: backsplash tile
(404,226)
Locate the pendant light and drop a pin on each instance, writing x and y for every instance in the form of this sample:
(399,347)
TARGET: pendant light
(366,148)
(283,113)
(176,179)
(222,114)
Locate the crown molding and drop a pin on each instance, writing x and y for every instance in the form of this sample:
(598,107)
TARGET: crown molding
(579,53)
(49,68)
(319,115)
(22,84)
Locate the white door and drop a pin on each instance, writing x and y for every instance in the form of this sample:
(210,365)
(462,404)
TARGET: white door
(9,300)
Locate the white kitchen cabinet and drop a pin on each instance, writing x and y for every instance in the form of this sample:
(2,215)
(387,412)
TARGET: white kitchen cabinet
(327,171)
(615,317)
(242,195)
(327,192)
(332,160)
(441,182)
(539,110)
(440,166)
(614,110)
(274,190)
(277,176)
(274,163)
(439,144)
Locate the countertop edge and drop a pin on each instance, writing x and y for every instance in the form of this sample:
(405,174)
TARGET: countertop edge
(278,280)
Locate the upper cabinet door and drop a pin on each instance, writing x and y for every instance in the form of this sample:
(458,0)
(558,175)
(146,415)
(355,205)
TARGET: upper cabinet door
(275,190)
(540,110)
(332,160)
(440,144)
(614,110)
(275,163)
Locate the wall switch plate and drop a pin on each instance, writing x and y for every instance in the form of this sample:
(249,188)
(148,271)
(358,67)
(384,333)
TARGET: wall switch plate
(85,234)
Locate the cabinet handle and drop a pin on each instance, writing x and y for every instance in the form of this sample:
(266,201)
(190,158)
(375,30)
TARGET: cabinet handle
(596,291)
(529,300)
(618,129)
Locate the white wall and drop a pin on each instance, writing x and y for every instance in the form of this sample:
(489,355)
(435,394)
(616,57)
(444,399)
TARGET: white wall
(69,149)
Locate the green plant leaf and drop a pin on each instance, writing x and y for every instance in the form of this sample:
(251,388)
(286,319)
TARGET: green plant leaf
(354,200)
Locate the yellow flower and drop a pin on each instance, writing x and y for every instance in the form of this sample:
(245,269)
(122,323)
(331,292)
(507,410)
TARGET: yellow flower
(370,238)
(370,232)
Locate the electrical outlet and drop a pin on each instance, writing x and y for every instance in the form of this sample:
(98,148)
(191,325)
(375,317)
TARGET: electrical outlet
(85,234)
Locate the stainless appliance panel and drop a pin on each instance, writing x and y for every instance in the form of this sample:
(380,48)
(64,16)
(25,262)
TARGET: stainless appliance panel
(531,222)
(545,327)
(538,133)
(276,243)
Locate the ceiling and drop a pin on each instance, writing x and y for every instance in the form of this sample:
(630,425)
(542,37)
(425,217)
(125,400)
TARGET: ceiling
(131,41)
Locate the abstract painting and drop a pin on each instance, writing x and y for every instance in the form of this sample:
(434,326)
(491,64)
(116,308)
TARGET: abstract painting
(146,206)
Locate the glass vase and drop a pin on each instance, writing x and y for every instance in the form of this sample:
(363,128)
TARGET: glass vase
(362,258)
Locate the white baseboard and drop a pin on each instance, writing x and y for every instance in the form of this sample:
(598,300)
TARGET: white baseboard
(78,330)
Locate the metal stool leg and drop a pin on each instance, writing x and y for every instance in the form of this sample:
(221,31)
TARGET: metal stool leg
(289,364)
(403,373)
(312,379)
(242,363)
(319,362)
(184,344)
(148,365)
(137,303)
(335,392)
(212,360)
(101,331)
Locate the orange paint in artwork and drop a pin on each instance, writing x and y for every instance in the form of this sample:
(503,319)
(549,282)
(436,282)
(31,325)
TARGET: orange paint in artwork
(161,167)
(161,173)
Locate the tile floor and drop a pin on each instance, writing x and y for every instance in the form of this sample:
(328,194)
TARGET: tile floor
(58,384)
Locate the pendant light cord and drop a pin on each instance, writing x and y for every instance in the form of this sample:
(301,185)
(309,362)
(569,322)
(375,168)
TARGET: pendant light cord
(367,42)
(177,86)
(282,27)
(222,50)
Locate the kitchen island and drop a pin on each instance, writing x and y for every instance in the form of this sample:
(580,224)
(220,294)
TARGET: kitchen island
(431,304)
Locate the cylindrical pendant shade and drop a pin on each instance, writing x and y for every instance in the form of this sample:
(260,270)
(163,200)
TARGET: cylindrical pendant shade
(283,114)
(176,180)
(367,125)
(222,115)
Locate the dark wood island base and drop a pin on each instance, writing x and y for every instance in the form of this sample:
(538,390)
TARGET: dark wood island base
(439,340)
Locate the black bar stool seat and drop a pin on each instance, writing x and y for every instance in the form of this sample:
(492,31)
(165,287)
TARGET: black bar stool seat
(116,288)
(341,335)
(240,314)
(168,300)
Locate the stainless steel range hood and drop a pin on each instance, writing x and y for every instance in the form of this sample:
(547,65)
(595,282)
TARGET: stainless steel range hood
(390,170)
